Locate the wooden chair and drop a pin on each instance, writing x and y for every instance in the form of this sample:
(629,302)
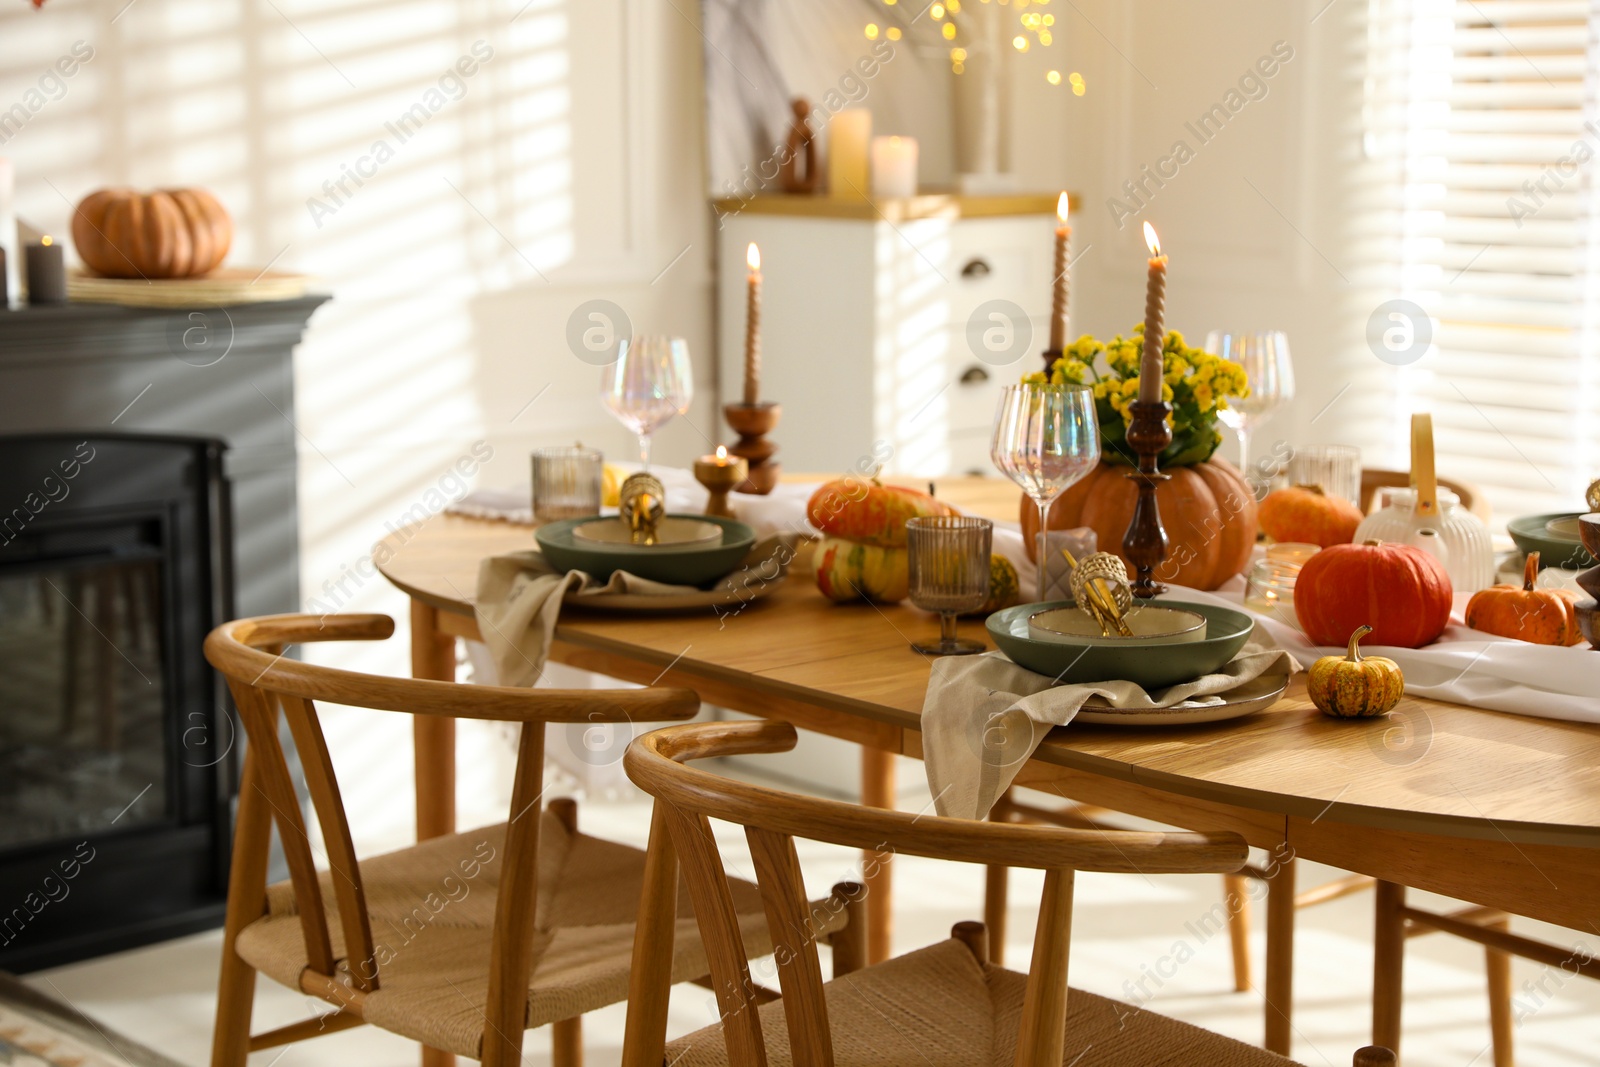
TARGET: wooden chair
(945,1004)
(461,942)
(1396,922)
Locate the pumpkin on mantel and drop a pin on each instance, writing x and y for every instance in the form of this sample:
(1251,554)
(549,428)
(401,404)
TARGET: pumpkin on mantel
(1541,616)
(169,233)
(1402,592)
(1207,509)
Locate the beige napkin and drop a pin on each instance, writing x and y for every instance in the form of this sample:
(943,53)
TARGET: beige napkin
(983,716)
(520,596)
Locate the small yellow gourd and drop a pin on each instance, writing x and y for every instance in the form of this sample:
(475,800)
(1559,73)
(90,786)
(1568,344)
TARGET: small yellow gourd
(1353,686)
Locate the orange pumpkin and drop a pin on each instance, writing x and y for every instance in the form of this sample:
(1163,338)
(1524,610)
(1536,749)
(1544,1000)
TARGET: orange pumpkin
(1542,616)
(868,512)
(1304,513)
(170,233)
(1402,592)
(1207,509)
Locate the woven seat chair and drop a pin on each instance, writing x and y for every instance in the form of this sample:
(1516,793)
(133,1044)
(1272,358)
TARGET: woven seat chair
(461,942)
(941,1005)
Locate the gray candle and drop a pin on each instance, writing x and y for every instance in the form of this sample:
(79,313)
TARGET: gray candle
(47,273)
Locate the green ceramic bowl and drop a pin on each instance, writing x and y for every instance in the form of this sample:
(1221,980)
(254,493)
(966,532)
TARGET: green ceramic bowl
(1153,667)
(674,564)
(1531,535)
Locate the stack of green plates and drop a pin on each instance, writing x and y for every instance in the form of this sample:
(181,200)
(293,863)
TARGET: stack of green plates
(1146,665)
(695,563)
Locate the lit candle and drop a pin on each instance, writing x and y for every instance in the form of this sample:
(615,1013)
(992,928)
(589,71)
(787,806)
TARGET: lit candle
(721,458)
(894,166)
(849,135)
(47,273)
(1155,307)
(752,326)
(1058,299)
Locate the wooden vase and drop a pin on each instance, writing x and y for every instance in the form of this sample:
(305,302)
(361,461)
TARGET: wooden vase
(752,422)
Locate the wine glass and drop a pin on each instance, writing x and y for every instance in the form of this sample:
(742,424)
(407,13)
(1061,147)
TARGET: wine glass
(649,383)
(1045,439)
(948,560)
(1265,358)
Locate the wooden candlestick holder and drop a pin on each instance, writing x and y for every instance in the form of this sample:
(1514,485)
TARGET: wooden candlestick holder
(752,422)
(720,479)
(1145,543)
(1589,580)
(1049,355)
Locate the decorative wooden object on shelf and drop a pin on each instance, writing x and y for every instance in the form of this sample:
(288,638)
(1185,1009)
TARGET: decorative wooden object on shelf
(797,173)
(720,474)
(1589,610)
(752,422)
(1145,543)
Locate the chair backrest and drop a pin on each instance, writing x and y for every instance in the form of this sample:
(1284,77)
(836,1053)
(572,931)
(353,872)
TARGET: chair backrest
(1372,479)
(689,797)
(265,682)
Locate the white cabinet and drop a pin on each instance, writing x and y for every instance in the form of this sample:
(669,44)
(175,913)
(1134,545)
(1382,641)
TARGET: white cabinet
(887,327)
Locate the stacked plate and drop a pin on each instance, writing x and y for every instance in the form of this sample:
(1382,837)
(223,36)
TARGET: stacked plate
(689,550)
(1555,537)
(1036,636)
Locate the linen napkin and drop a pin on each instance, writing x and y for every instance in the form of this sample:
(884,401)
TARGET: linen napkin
(983,716)
(519,598)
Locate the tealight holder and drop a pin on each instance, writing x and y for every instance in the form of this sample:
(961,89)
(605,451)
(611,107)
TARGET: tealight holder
(720,474)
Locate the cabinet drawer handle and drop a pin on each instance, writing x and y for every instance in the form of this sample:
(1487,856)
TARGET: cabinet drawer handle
(977,268)
(973,375)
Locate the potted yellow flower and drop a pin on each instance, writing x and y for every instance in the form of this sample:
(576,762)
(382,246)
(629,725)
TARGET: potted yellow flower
(1207,507)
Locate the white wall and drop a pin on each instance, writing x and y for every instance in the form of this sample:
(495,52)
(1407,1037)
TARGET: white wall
(1278,255)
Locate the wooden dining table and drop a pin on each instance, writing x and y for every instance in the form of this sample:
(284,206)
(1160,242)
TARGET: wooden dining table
(1495,809)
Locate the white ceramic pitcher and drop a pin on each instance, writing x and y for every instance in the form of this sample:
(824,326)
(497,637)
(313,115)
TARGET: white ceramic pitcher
(1467,552)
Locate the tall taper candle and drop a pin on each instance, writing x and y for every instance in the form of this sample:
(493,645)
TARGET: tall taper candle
(1058,295)
(752,326)
(1155,313)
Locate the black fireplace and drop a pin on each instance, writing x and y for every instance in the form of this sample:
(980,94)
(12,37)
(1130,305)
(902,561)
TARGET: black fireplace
(117,745)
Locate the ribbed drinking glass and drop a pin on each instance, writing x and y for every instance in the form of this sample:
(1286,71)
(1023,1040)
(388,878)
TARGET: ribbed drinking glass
(949,562)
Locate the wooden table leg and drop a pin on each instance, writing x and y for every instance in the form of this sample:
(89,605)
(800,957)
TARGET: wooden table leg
(877,791)
(1280,956)
(433,738)
(1502,1022)
(1388,960)
(433,655)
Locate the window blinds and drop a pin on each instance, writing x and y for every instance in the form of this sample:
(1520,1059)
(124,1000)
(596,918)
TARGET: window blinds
(1481,123)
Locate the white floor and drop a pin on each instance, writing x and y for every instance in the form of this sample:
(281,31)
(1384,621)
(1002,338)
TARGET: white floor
(1125,927)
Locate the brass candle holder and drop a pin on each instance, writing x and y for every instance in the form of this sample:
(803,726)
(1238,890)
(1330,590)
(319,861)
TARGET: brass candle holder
(752,422)
(1145,543)
(720,474)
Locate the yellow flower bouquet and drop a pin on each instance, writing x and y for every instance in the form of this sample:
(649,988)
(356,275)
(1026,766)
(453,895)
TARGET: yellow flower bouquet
(1196,383)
